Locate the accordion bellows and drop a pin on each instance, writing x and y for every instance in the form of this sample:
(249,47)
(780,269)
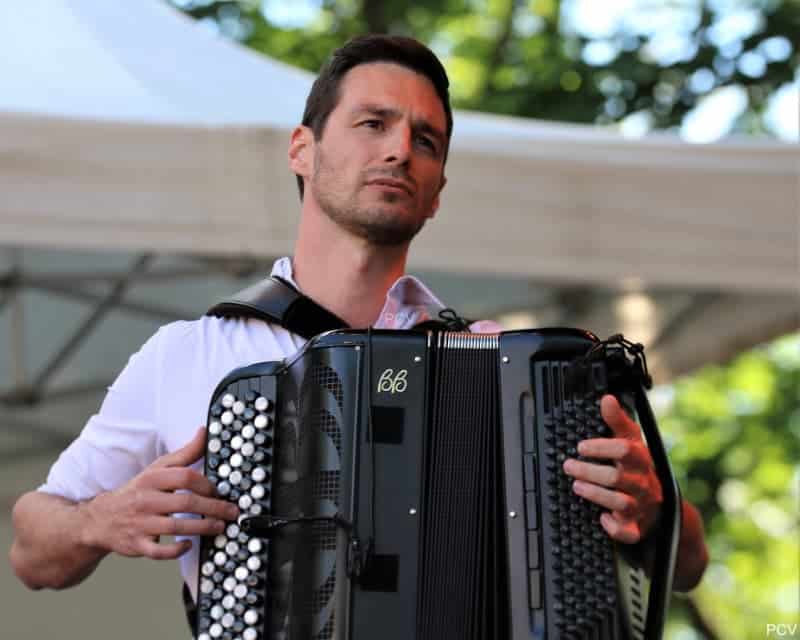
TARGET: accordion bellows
(409,485)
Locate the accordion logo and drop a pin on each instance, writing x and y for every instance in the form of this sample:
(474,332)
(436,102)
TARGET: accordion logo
(391,382)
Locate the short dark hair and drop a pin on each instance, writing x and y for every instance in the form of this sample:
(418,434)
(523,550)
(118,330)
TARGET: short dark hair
(407,52)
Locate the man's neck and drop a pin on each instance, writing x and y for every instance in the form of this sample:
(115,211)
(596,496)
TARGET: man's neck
(345,274)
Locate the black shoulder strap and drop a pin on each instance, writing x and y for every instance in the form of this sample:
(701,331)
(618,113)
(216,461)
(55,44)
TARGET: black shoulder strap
(275,300)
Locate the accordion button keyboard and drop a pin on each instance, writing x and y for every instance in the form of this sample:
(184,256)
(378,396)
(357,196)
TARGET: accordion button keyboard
(233,582)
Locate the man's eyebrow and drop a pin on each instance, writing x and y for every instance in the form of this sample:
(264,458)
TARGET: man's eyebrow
(420,124)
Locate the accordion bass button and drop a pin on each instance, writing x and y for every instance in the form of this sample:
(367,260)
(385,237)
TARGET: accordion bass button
(227,400)
(263,404)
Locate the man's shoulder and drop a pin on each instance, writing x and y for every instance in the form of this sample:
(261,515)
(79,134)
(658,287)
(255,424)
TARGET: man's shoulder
(211,342)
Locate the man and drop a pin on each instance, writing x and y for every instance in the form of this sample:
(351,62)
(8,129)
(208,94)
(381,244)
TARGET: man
(369,158)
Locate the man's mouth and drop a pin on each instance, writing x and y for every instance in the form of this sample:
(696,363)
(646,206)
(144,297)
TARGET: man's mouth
(392,185)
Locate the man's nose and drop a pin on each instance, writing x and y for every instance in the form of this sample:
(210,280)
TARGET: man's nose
(399,145)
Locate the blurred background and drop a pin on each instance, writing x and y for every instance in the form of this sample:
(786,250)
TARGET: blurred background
(624,165)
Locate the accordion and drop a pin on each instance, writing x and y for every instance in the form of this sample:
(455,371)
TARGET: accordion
(408,485)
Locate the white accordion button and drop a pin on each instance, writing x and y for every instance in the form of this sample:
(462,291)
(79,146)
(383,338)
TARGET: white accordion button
(220,558)
(215,428)
(229,584)
(236,460)
(228,620)
(253,563)
(255,510)
(215,631)
(214,445)
(260,422)
(206,586)
(261,404)
(248,431)
(251,616)
(254,546)
(249,634)
(245,501)
(229,601)
(223,471)
(236,442)
(258,474)
(208,569)
(227,418)
(257,492)
(216,612)
(227,400)
(238,407)
(232,530)
(241,573)
(248,449)
(235,477)
(220,541)
(240,591)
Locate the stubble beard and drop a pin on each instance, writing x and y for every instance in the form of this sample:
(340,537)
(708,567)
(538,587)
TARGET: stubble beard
(380,226)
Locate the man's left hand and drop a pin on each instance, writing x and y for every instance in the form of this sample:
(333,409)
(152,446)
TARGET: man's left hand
(628,487)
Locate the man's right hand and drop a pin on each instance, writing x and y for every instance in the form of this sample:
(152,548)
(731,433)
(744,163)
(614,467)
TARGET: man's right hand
(129,520)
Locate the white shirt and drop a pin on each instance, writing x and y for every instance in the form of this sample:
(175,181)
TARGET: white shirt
(161,397)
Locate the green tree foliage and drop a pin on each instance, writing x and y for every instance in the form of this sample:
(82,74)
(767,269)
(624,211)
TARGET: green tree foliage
(574,60)
(735,433)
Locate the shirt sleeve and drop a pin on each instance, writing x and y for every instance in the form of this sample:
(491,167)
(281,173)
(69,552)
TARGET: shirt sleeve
(122,438)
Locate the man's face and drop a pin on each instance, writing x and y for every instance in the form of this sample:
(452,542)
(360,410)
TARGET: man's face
(379,165)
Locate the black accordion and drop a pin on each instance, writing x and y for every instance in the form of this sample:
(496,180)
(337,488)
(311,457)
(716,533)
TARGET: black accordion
(408,485)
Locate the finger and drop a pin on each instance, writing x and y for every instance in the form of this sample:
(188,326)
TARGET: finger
(616,418)
(625,531)
(167,503)
(170,551)
(612,476)
(190,453)
(171,526)
(611,500)
(633,453)
(174,478)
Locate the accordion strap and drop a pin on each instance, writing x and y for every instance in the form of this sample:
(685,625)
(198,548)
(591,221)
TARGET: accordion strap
(665,538)
(275,300)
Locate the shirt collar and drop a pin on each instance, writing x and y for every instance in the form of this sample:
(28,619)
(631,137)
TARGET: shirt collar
(408,301)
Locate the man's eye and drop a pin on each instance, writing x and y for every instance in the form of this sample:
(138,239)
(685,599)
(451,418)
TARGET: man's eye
(427,142)
(372,124)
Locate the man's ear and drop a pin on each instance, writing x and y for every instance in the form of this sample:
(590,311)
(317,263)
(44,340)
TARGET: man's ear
(435,204)
(301,146)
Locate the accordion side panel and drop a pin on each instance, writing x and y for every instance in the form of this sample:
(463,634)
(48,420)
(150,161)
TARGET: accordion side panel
(395,367)
(524,532)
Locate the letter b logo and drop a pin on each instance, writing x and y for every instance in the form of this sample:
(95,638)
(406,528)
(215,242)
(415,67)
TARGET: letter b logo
(391,382)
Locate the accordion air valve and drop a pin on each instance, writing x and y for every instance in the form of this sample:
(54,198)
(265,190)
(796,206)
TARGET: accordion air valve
(408,485)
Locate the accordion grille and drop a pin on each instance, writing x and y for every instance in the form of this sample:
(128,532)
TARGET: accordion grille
(309,448)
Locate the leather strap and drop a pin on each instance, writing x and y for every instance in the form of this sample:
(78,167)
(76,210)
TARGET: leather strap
(277,301)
